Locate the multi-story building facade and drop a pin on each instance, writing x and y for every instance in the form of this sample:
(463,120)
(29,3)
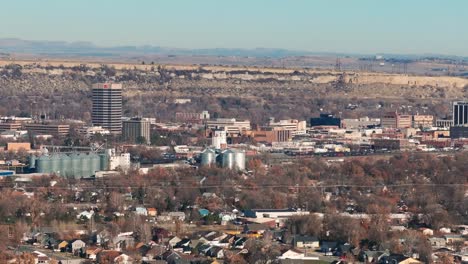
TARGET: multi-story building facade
(10,126)
(325,120)
(460,113)
(107,106)
(232,126)
(295,126)
(396,120)
(136,128)
(59,130)
(423,121)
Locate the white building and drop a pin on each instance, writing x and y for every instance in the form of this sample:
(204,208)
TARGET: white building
(278,213)
(121,161)
(219,139)
(295,126)
(93,130)
(362,122)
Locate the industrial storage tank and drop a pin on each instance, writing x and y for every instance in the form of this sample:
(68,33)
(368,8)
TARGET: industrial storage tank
(66,166)
(32,162)
(75,165)
(208,157)
(55,164)
(85,162)
(239,159)
(43,164)
(228,159)
(95,163)
(104,161)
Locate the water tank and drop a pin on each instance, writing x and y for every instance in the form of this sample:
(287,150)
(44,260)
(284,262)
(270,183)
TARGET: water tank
(228,159)
(32,162)
(239,159)
(208,157)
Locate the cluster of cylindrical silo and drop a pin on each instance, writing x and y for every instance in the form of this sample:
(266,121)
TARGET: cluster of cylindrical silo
(73,165)
(232,159)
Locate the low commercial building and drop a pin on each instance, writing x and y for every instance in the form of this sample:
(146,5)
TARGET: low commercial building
(59,130)
(14,146)
(93,130)
(191,117)
(270,135)
(444,123)
(363,122)
(230,125)
(392,144)
(274,213)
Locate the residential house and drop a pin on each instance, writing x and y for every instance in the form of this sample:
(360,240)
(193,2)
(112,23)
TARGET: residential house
(369,256)
(76,246)
(215,252)
(328,246)
(239,242)
(154,252)
(437,242)
(183,246)
(85,215)
(427,231)
(398,259)
(49,241)
(160,235)
(141,211)
(123,259)
(203,248)
(123,240)
(92,252)
(224,241)
(152,212)
(255,229)
(62,246)
(40,258)
(294,256)
(451,239)
(107,256)
(171,216)
(203,212)
(173,241)
(306,242)
(177,216)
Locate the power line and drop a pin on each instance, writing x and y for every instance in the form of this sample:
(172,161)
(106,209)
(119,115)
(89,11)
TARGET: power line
(255,187)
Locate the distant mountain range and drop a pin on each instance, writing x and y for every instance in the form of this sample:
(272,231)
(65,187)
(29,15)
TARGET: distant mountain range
(88,49)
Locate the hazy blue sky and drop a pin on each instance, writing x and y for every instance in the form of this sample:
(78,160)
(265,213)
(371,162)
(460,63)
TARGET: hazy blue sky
(361,26)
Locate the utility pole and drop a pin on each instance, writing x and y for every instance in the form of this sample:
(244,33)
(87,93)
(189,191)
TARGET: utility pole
(338,64)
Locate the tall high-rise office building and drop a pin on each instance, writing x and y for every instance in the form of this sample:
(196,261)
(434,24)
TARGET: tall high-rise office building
(460,113)
(107,106)
(136,128)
